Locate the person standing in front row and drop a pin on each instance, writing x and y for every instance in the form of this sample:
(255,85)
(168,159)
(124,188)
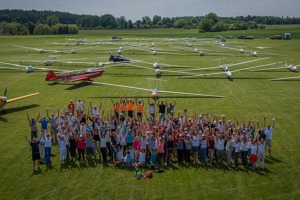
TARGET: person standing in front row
(35,151)
(269,133)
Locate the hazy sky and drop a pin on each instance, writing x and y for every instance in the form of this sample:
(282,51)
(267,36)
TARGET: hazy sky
(136,9)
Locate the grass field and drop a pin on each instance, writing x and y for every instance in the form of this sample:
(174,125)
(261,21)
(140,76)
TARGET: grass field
(248,95)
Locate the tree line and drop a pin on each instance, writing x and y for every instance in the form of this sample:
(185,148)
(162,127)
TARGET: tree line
(54,22)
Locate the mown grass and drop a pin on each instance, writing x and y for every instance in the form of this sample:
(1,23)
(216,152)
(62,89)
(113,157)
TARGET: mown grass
(248,95)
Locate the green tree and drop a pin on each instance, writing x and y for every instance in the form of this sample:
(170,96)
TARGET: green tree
(130,24)
(205,25)
(41,29)
(108,21)
(213,17)
(218,27)
(52,20)
(156,19)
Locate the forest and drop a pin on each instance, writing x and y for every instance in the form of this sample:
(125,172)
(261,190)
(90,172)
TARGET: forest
(33,22)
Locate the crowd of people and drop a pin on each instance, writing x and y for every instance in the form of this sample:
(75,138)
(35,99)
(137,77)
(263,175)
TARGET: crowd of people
(128,135)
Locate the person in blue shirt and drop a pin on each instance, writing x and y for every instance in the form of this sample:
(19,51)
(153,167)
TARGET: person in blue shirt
(44,123)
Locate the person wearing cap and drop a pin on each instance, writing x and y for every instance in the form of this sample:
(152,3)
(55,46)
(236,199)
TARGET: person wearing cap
(80,105)
(35,151)
(44,123)
(94,110)
(80,147)
(33,126)
(71,107)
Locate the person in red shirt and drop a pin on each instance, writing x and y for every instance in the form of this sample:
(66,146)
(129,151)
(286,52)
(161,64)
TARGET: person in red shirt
(81,147)
(71,107)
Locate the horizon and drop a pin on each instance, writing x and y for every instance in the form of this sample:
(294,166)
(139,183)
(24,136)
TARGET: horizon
(193,8)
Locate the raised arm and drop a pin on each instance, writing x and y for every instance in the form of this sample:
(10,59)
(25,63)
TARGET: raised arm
(27,139)
(273,125)
(100,105)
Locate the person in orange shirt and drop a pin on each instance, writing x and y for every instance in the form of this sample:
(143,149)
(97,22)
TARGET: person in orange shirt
(116,107)
(123,106)
(140,106)
(130,107)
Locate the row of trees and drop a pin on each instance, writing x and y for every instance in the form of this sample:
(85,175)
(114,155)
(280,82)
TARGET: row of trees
(42,21)
(15,28)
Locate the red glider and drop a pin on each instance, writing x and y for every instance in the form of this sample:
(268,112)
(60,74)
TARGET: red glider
(87,75)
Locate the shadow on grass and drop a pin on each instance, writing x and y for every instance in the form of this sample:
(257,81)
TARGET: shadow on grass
(78,85)
(20,108)
(272,160)
(36,172)
(164,97)
(2,119)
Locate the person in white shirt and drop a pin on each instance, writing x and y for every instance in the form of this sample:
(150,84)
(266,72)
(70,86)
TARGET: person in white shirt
(237,152)
(253,155)
(80,105)
(62,149)
(94,110)
(269,132)
(229,149)
(42,140)
(261,153)
(219,141)
(48,146)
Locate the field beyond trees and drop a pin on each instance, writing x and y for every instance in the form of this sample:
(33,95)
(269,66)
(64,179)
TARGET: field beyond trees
(249,95)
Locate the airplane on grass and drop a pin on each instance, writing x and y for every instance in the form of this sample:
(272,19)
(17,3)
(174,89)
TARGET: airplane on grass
(118,58)
(73,76)
(292,68)
(72,51)
(225,67)
(285,78)
(28,68)
(227,73)
(155,91)
(5,101)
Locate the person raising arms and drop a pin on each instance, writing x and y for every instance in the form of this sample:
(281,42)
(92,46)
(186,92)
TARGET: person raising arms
(140,105)
(116,107)
(35,151)
(269,132)
(33,125)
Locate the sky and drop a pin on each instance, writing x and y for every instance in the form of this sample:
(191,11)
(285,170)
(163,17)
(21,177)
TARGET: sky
(136,9)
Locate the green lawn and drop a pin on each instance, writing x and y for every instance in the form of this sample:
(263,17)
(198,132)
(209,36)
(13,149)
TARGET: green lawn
(248,95)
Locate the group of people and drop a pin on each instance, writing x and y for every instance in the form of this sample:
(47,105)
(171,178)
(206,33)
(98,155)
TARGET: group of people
(129,136)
